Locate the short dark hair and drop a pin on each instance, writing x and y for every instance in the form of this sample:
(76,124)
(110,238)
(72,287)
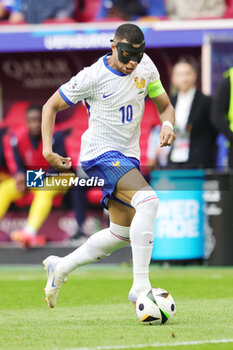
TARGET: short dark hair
(189,60)
(130,32)
(33,108)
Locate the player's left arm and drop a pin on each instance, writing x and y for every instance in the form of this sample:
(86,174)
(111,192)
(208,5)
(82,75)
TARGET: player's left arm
(167,118)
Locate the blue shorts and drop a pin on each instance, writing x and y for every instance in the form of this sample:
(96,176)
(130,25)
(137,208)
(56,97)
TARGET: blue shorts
(110,166)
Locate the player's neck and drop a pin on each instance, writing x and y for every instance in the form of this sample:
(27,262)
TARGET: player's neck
(112,63)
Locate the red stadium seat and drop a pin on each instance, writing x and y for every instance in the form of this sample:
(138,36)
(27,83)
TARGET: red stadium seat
(89,12)
(15,117)
(229,9)
(94,195)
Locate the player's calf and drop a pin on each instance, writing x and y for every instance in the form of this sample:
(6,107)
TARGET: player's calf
(146,204)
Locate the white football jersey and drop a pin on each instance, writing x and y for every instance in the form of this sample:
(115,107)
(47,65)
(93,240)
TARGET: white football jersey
(115,103)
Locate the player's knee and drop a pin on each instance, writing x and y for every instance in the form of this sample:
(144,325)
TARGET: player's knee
(107,241)
(119,231)
(152,201)
(146,199)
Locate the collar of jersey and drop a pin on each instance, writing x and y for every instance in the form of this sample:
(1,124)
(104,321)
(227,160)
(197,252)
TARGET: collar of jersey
(105,59)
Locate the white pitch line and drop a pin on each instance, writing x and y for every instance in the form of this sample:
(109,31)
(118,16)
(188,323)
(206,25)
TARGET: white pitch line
(155,345)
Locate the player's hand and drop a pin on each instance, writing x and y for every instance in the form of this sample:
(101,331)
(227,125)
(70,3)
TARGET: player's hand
(20,181)
(58,162)
(167,136)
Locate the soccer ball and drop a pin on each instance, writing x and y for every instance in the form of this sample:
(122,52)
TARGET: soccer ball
(155,306)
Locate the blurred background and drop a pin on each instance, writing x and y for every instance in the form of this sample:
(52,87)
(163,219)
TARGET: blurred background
(42,45)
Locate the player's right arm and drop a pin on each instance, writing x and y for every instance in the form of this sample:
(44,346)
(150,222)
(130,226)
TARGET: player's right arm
(78,88)
(55,104)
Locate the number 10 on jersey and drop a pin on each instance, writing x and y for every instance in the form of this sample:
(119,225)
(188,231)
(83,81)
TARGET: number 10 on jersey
(127,113)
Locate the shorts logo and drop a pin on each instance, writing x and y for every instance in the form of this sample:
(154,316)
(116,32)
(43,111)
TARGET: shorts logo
(116,164)
(35,178)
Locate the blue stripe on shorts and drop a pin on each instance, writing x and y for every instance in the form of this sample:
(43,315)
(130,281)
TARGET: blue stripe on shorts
(110,166)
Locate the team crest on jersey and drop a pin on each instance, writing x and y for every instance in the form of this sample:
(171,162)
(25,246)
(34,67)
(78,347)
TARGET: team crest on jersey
(140,84)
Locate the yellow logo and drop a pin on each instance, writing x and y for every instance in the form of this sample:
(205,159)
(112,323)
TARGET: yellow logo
(140,84)
(117,163)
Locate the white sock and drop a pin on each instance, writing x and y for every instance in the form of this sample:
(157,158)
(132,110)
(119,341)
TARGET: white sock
(98,246)
(146,204)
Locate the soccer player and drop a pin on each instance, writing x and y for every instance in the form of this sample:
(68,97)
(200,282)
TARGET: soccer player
(114,89)
(27,149)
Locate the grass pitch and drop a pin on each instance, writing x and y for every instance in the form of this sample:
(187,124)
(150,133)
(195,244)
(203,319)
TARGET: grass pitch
(93,311)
